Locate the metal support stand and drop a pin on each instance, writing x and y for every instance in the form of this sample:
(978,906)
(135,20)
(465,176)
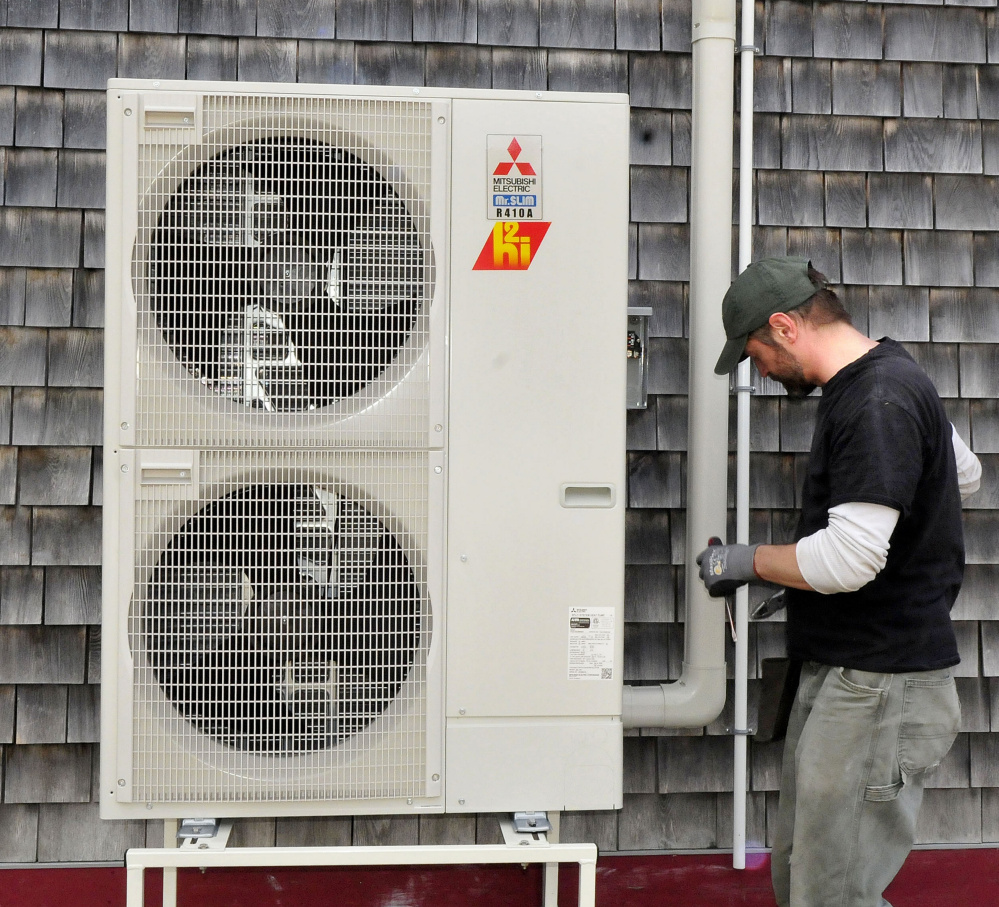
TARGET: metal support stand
(529,848)
(536,830)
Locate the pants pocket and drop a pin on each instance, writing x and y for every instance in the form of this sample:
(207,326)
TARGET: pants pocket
(931,716)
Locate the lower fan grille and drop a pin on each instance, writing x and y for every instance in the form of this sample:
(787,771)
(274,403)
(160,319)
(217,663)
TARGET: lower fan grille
(278,635)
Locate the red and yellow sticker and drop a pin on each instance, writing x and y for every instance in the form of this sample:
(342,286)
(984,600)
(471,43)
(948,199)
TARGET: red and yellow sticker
(511,245)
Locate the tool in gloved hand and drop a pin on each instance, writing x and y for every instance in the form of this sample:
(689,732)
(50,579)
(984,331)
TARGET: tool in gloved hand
(770,606)
(724,568)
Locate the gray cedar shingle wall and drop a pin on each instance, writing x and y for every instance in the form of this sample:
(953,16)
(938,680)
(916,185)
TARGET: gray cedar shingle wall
(877,148)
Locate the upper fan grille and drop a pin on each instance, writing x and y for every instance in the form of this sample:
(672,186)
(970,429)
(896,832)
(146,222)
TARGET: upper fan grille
(283,269)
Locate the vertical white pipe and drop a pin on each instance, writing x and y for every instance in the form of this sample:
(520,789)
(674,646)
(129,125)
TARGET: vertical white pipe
(699,695)
(743,393)
(710,265)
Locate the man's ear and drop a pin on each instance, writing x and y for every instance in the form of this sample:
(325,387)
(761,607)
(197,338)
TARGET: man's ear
(784,327)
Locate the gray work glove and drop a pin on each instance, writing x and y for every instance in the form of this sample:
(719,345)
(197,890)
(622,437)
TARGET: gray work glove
(724,568)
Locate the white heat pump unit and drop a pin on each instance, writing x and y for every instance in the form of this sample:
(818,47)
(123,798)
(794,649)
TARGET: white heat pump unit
(364,450)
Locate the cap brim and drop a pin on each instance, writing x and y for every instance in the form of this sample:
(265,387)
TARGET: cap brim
(731,355)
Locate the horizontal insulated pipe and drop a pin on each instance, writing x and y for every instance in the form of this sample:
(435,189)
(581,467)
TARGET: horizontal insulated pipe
(698,696)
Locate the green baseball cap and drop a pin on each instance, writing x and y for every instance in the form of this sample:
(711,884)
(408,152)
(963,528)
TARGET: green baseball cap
(767,286)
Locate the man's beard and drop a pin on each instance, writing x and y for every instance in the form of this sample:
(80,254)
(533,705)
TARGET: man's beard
(789,373)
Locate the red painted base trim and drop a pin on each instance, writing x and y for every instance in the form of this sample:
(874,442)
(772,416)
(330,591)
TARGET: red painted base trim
(930,878)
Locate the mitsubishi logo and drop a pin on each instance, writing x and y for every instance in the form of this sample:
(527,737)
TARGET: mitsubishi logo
(504,167)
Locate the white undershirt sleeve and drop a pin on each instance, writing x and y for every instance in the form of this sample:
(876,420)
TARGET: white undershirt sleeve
(850,551)
(969,469)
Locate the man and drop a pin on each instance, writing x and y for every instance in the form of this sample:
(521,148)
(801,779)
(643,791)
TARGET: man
(877,564)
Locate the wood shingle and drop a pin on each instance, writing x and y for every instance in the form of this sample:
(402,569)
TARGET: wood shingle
(313,19)
(94,15)
(80,179)
(15,536)
(847,31)
(267,60)
(30,178)
(966,202)
(224,17)
(638,24)
(837,143)
(866,88)
(23,362)
(152,57)
(21,56)
(940,33)
(54,476)
(324,62)
(872,256)
(79,59)
(7,101)
(33,13)
(520,68)
(67,416)
(671,422)
(85,119)
(938,258)
(960,92)
(587,70)
(18,832)
(48,297)
(37,237)
(41,714)
(811,86)
(66,535)
(934,146)
(790,197)
(845,199)
(660,80)
(389,64)
(969,316)
(83,713)
(214,58)
(577,23)
(922,90)
(8,476)
(42,655)
(772,85)
(38,117)
(465,66)
(21,595)
(447,21)
(658,194)
(375,20)
(788,29)
(899,312)
(154,16)
(509,23)
(74,832)
(72,595)
(900,200)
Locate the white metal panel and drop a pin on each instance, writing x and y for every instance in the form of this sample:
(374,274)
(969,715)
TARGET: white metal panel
(510,765)
(537,382)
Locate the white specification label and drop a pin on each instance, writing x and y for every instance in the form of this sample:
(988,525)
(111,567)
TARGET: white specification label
(591,644)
